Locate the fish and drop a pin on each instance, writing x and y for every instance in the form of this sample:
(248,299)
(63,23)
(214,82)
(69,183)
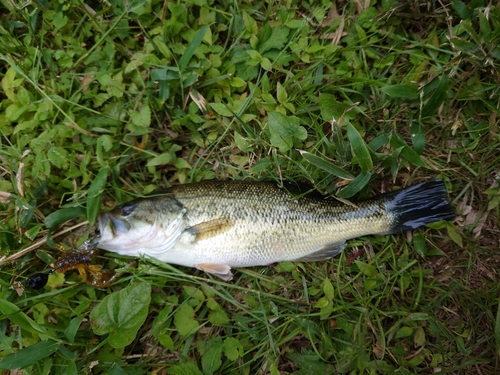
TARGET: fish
(217,225)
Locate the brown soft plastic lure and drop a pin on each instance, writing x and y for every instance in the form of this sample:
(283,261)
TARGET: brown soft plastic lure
(78,259)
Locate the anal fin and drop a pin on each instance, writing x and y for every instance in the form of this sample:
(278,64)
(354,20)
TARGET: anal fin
(326,252)
(220,270)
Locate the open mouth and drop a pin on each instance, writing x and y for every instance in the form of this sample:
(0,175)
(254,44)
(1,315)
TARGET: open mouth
(116,226)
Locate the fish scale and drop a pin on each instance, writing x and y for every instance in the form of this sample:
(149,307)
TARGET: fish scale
(216,225)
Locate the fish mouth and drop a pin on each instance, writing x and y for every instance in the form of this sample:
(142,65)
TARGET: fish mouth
(116,226)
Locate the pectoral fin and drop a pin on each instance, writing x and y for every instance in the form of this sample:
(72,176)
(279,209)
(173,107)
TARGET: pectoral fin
(326,252)
(221,270)
(210,228)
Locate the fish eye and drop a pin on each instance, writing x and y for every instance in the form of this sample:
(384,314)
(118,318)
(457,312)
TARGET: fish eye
(127,209)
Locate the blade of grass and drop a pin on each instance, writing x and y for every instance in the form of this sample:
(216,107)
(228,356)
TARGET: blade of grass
(359,148)
(29,355)
(326,165)
(191,48)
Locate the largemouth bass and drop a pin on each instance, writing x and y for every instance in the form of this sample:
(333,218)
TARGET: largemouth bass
(217,225)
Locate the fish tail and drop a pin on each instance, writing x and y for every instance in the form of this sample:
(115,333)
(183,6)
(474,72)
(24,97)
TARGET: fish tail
(418,205)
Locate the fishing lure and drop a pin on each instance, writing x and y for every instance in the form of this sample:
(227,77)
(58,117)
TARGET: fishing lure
(79,259)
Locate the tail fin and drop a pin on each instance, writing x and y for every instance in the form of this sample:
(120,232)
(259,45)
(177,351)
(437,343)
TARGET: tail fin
(417,205)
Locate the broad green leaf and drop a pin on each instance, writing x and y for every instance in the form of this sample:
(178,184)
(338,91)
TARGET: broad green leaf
(418,316)
(331,109)
(165,51)
(115,369)
(166,341)
(29,355)
(33,232)
(27,210)
(355,186)
(378,142)
(419,337)
(471,30)
(160,160)
(366,269)
(328,289)
(163,316)
(462,9)
(60,20)
(58,156)
(242,143)
(26,126)
(454,234)
(322,303)
(206,16)
(369,284)
(23,96)
(485,27)
(266,64)
(106,142)
(464,45)
(68,354)
(262,165)
(250,23)
(401,91)
(493,203)
(140,120)
(94,195)
(437,98)
(406,152)
(254,55)
(237,82)
(9,78)
(233,348)
(19,318)
(121,314)
(63,215)
(310,365)
(177,20)
(417,137)
(294,24)
(281,93)
(419,244)
(14,111)
(72,328)
(218,317)
(182,164)
(277,39)
(359,148)
(191,48)
(188,368)
(284,129)
(211,360)
(404,332)
(221,109)
(194,293)
(184,320)
(326,166)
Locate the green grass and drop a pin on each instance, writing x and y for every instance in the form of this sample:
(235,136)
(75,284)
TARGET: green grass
(102,102)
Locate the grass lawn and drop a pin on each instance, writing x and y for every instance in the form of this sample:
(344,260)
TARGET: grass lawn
(104,101)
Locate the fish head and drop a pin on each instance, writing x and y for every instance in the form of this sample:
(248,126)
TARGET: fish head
(148,226)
